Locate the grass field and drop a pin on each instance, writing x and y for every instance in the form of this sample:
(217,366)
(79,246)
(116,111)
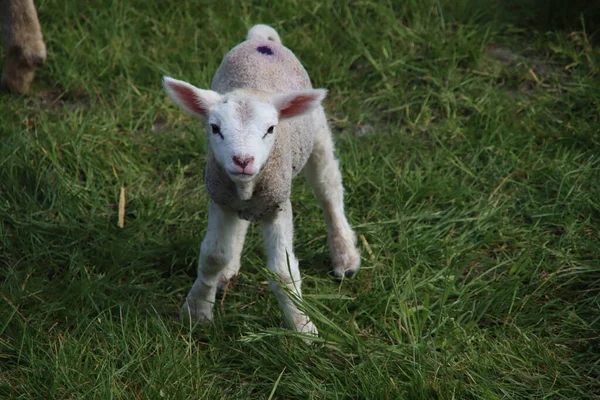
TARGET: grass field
(469,142)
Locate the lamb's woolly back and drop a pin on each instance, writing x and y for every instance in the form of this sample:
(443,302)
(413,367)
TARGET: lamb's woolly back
(263,32)
(261,64)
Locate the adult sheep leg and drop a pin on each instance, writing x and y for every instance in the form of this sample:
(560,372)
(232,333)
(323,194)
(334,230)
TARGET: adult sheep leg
(24,46)
(219,254)
(279,237)
(323,174)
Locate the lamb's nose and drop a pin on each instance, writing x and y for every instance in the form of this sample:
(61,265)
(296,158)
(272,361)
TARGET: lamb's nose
(242,162)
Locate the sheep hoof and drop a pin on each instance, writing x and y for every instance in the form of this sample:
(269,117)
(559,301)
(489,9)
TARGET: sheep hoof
(198,311)
(345,265)
(349,273)
(21,63)
(344,254)
(225,277)
(303,325)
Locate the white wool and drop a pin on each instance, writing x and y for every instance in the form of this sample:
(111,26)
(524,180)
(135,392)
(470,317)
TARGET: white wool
(261,31)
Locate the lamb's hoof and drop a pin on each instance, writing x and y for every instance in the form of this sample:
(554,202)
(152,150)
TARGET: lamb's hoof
(344,254)
(350,273)
(308,328)
(197,311)
(225,277)
(21,63)
(346,265)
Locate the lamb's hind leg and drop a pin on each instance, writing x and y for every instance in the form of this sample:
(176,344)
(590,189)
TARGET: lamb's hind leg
(323,175)
(23,43)
(219,253)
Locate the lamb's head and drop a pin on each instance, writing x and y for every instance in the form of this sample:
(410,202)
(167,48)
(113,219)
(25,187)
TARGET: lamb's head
(241,126)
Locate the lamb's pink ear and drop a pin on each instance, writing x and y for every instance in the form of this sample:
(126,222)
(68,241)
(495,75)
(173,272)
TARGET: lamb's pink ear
(193,100)
(294,104)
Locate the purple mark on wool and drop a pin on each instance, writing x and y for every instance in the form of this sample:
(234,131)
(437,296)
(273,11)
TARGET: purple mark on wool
(265,50)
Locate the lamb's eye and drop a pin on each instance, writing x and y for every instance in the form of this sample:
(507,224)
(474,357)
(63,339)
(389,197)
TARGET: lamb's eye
(215,129)
(269,131)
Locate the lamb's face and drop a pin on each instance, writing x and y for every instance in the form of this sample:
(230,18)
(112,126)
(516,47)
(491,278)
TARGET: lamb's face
(241,127)
(241,134)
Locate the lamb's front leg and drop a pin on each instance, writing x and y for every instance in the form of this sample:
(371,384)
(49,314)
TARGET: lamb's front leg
(219,253)
(279,238)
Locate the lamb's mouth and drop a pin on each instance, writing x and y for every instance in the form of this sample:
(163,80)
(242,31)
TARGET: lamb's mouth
(241,176)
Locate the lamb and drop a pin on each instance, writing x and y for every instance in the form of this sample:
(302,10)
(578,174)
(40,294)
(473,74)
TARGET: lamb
(264,124)
(24,46)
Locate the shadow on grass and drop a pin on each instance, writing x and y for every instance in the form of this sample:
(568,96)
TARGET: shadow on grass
(543,15)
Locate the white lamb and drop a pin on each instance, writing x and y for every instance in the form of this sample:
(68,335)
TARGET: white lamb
(264,124)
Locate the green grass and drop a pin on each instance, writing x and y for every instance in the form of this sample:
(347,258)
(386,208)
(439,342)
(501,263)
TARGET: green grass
(472,173)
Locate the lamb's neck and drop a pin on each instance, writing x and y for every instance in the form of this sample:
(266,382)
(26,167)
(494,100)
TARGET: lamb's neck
(245,189)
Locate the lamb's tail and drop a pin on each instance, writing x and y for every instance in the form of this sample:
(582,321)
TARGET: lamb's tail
(262,32)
